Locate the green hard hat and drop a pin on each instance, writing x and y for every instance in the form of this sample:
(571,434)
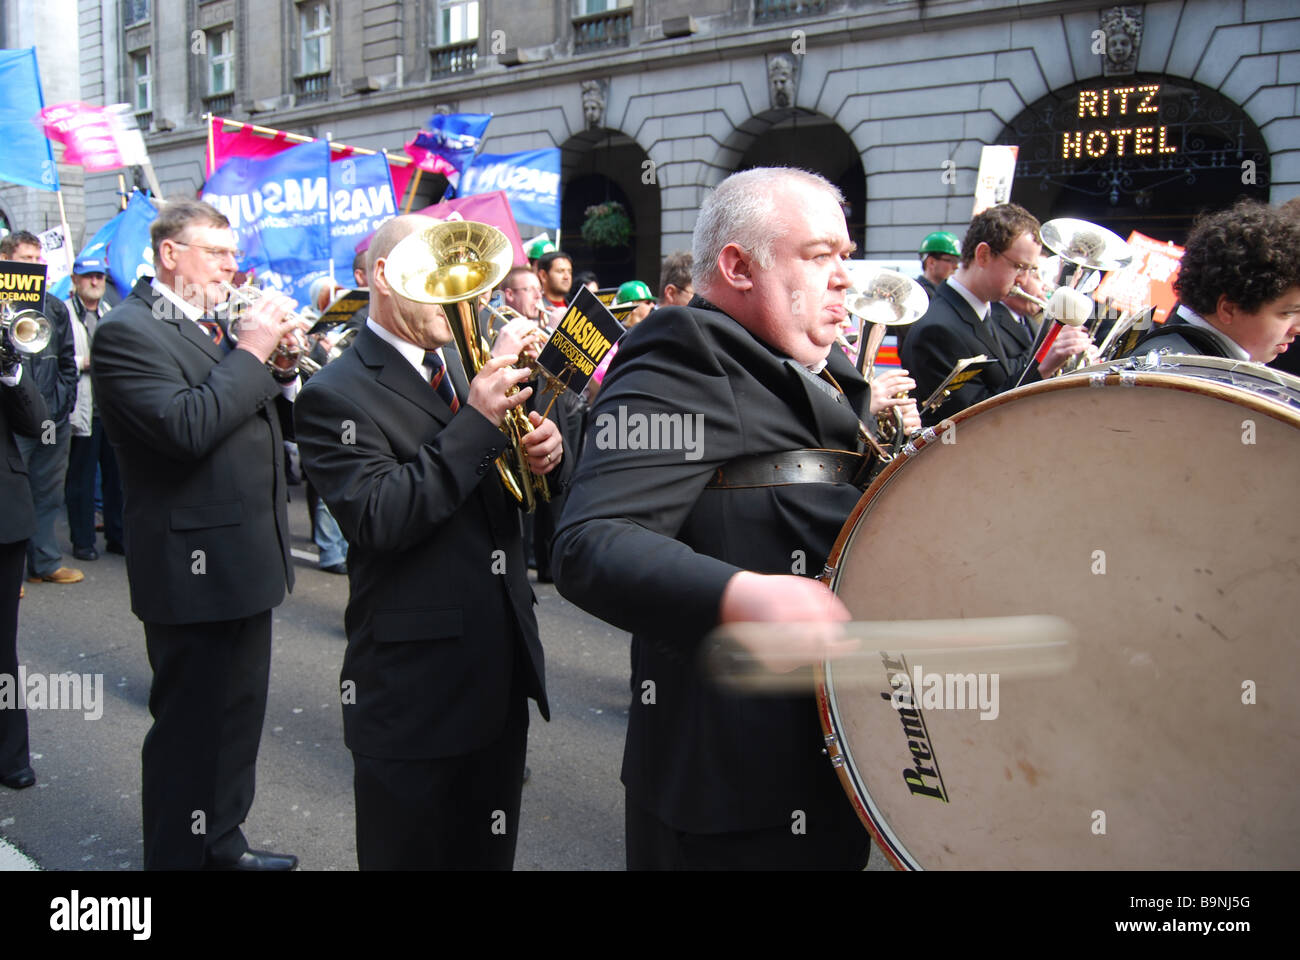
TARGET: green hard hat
(540,248)
(632,292)
(941,241)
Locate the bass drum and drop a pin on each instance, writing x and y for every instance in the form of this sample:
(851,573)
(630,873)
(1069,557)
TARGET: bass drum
(1154,507)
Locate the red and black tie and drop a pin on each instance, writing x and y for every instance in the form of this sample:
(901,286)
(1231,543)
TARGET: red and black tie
(439,381)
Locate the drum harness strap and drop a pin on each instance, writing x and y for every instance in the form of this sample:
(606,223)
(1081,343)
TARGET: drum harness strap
(810,465)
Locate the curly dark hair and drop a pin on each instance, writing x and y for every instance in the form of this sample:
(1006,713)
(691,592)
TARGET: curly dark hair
(998,227)
(1249,253)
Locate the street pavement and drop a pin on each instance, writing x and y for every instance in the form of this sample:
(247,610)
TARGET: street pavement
(84,812)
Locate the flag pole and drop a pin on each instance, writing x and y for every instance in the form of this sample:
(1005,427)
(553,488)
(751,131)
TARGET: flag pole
(121,190)
(415,185)
(212,155)
(67,236)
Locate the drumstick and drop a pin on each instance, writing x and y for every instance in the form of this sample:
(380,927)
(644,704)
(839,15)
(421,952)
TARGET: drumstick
(1012,647)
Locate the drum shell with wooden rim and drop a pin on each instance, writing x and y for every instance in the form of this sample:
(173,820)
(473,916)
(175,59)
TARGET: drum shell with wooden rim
(1154,511)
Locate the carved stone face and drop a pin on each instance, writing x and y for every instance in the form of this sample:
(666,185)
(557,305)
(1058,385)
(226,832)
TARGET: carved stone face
(1119,47)
(780,77)
(593,105)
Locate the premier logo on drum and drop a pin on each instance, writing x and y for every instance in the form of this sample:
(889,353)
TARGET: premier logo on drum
(923,777)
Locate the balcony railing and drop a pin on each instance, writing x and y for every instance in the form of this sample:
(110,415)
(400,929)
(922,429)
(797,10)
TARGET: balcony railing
(453,58)
(144,120)
(600,30)
(312,87)
(220,103)
(767,11)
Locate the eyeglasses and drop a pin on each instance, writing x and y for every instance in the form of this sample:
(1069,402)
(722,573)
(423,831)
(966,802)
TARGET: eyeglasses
(216,253)
(1020,267)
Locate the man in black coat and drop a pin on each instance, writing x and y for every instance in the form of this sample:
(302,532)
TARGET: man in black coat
(965,318)
(193,424)
(443,649)
(674,525)
(54,371)
(22,409)
(1238,285)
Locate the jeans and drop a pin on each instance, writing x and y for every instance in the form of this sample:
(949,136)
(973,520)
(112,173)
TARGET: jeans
(333,545)
(88,453)
(47,467)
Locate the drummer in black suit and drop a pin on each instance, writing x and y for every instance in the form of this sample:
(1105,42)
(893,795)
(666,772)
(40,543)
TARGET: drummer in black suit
(670,541)
(1238,287)
(965,318)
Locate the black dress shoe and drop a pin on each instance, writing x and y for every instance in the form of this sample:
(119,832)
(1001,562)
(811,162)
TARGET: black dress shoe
(20,780)
(115,548)
(257,860)
(86,553)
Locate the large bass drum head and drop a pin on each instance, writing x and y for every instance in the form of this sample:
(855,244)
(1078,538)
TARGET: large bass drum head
(1160,517)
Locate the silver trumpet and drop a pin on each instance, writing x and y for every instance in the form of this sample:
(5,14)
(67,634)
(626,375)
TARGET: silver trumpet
(23,331)
(290,355)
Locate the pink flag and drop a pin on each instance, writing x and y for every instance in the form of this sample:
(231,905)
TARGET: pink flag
(428,161)
(87,132)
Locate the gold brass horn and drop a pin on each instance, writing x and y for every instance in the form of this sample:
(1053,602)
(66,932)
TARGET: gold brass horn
(452,264)
(25,331)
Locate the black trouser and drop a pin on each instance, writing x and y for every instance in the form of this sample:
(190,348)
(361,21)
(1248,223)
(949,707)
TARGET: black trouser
(13,722)
(208,701)
(452,813)
(828,840)
(87,454)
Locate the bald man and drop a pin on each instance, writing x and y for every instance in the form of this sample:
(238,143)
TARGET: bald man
(443,649)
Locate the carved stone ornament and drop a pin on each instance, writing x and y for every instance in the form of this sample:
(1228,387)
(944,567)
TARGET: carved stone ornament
(782,81)
(593,103)
(1123,29)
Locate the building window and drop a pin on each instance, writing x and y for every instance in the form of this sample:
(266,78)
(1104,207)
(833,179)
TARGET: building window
(457,21)
(141,82)
(134,11)
(601,23)
(765,11)
(221,61)
(314,34)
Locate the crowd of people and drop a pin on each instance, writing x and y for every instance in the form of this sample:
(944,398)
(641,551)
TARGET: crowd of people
(398,438)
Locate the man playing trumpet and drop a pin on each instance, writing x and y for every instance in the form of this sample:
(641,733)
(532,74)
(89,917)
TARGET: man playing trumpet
(443,650)
(193,425)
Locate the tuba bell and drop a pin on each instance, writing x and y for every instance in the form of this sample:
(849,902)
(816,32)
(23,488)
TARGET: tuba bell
(452,264)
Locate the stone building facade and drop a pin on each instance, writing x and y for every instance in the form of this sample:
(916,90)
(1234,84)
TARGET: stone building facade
(654,101)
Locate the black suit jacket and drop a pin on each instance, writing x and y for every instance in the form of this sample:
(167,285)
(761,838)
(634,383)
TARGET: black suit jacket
(951,331)
(22,409)
(1178,336)
(643,545)
(440,611)
(202,462)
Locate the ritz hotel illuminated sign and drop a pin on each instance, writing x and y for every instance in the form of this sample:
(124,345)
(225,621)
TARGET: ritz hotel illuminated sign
(1118,103)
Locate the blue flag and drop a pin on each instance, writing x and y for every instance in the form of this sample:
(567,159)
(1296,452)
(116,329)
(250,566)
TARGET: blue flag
(130,251)
(531,180)
(361,199)
(279,208)
(454,136)
(25,155)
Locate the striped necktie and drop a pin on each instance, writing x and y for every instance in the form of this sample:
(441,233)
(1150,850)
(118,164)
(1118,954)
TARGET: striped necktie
(218,334)
(439,381)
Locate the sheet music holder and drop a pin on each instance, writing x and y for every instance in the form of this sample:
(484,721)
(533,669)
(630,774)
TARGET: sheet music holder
(961,374)
(341,309)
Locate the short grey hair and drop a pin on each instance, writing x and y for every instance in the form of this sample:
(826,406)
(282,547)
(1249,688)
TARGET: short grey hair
(742,210)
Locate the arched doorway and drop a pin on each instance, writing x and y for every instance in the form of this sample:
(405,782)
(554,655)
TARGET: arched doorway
(1145,152)
(810,141)
(606,165)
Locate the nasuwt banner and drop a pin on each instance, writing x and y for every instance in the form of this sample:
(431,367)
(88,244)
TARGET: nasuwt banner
(531,180)
(362,198)
(279,209)
(25,156)
(97,138)
(245,140)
